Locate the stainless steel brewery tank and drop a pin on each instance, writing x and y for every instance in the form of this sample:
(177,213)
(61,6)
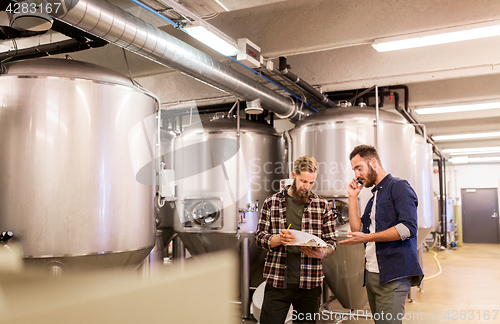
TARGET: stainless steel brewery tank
(76,187)
(423,187)
(224,170)
(330,136)
(222,179)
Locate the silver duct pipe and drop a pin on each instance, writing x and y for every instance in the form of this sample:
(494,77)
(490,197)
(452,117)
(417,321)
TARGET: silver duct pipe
(123,29)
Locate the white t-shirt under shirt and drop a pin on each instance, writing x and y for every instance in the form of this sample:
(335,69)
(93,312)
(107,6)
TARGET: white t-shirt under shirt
(370,255)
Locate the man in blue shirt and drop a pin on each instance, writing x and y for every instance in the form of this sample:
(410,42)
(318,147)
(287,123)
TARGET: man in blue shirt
(388,228)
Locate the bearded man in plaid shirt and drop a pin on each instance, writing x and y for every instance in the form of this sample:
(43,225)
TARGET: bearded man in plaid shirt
(294,274)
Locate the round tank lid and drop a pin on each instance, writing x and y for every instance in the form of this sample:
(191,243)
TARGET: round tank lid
(229,124)
(352,113)
(65,68)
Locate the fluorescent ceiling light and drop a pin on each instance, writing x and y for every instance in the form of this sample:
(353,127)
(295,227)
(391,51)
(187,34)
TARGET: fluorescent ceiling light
(440,36)
(439,138)
(212,38)
(459,160)
(466,159)
(472,150)
(458,108)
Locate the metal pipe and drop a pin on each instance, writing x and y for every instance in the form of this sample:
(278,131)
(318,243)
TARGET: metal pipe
(172,160)
(442,202)
(436,150)
(7,32)
(408,117)
(245,279)
(423,129)
(283,68)
(178,250)
(157,254)
(185,110)
(445,228)
(238,121)
(289,154)
(226,100)
(234,106)
(123,29)
(411,295)
(382,94)
(310,109)
(158,163)
(80,41)
(407,112)
(66,46)
(353,99)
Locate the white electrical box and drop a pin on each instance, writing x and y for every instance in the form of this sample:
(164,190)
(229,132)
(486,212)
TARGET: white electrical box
(269,65)
(249,53)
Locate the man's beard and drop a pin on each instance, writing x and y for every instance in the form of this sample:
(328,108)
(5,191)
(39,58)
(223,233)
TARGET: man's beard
(371,177)
(300,197)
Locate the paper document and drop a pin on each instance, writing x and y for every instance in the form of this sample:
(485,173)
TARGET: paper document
(306,239)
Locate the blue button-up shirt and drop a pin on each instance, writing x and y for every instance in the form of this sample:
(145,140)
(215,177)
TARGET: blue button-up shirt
(396,204)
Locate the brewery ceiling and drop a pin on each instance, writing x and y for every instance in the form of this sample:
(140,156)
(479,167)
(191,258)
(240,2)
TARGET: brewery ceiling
(328,44)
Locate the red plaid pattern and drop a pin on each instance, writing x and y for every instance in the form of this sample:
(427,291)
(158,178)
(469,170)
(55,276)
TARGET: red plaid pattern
(317,219)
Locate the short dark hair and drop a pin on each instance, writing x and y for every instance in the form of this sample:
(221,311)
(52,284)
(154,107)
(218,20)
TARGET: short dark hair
(366,152)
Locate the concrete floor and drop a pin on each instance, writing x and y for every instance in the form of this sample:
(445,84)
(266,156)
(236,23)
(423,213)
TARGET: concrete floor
(467,290)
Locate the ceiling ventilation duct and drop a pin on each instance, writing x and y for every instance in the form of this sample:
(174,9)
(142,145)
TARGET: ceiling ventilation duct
(254,107)
(123,29)
(29,15)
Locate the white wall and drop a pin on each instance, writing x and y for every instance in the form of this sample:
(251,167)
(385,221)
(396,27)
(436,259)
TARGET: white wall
(468,176)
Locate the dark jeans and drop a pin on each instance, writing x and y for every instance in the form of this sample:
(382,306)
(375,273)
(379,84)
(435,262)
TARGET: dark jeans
(387,301)
(277,303)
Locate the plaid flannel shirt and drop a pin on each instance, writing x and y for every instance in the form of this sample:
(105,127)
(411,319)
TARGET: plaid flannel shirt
(317,220)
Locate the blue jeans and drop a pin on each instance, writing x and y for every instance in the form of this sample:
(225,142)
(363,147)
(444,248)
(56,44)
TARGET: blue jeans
(387,301)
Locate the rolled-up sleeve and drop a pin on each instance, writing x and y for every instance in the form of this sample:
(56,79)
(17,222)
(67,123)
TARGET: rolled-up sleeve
(403,231)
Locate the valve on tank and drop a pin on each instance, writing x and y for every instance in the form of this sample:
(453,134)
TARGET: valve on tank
(5,236)
(251,207)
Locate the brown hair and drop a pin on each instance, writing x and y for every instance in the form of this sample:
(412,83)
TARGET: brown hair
(366,152)
(305,163)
